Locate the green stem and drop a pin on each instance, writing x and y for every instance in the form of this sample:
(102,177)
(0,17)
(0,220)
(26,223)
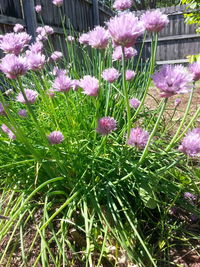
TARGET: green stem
(145,152)
(125,91)
(141,50)
(182,122)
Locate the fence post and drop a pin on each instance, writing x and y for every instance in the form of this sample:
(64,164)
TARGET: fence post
(95,7)
(30,17)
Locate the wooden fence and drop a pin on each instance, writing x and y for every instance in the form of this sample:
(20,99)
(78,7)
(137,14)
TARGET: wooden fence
(176,41)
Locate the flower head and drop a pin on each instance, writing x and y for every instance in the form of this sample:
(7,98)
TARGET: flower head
(22,113)
(13,66)
(138,137)
(14,43)
(106,125)
(70,38)
(55,137)
(31,96)
(7,131)
(58,3)
(189,196)
(125,29)
(172,80)
(43,33)
(58,72)
(122,4)
(130,74)
(38,8)
(110,75)
(36,47)
(84,39)
(177,102)
(154,21)
(2,110)
(62,83)
(134,103)
(50,93)
(195,69)
(129,52)
(98,38)
(191,143)
(18,28)
(35,61)
(56,55)
(90,85)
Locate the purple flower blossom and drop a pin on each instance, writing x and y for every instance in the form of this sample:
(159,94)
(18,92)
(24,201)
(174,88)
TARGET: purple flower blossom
(125,29)
(110,75)
(56,56)
(7,131)
(134,103)
(189,196)
(55,137)
(38,8)
(191,143)
(62,83)
(18,28)
(172,80)
(90,85)
(138,137)
(98,38)
(58,3)
(2,110)
(31,96)
(177,102)
(84,39)
(43,33)
(130,74)
(35,61)
(58,72)
(36,47)
(154,21)
(51,93)
(106,125)
(14,43)
(129,52)
(194,68)
(13,66)
(122,4)
(22,113)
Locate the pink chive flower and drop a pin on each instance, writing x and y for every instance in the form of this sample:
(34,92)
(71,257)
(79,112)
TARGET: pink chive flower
(122,4)
(191,143)
(58,3)
(110,75)
(75,84)
(7,131)
(194,68)
(58,72)
(36,47)
(22,113)
(172,80)
(177,102)
(189,196)
(84,39)
(31,96)
(62,83)
(134,103)
(14,43)
(35,61)
(2,110)
(57,55)
(129,52)
(130,74)
(106,125)
(125,29)
(55,137)
(18,28)
(38,8)
(98,38)
(44,31)
(70,38)
(90,85)
(13,66)
(138,138)
(154,21)
(50,93)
